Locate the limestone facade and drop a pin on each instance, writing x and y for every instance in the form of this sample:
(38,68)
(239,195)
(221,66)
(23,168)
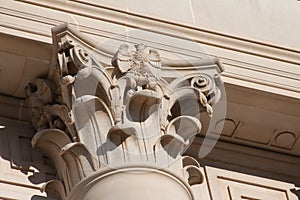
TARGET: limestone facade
(101,100)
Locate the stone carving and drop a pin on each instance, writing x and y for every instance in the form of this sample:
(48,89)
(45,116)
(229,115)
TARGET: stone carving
(285,139)
(142,64)
(207,89)
(82,63)
(266,137)
(39,95)
(138,70)
(91,119)
(46,112)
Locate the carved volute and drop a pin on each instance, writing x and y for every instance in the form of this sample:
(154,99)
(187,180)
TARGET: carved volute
(99,115)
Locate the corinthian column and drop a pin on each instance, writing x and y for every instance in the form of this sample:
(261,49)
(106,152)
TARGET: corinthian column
(116,124)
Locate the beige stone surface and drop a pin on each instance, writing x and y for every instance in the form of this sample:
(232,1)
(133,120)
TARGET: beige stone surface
(236,186)
(103,123)
(125,121)
(270,122)
(21,62)
(266,59)
(248,160)
(245,19)
(23,170)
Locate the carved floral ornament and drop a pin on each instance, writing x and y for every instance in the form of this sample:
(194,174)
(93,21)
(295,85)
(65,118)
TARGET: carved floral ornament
(92,115)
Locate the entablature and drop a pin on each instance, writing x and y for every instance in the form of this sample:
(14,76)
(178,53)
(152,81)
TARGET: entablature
(250,63)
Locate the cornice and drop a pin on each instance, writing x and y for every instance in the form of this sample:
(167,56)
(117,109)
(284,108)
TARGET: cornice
(107,53)
(248,62)
(208,37)
(251,160)
(260,120)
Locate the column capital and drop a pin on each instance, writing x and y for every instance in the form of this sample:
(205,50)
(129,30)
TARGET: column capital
(123,110)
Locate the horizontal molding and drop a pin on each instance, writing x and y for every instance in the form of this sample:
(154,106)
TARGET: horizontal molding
(21,185)
(280,83)
(248,159)
(262,81)
(133,20)
(118,18)
(144,16)
(14,108)
(262,85)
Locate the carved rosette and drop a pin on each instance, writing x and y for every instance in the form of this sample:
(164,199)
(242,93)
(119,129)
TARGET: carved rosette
(96,118)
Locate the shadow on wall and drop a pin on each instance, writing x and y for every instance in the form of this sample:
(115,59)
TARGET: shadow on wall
(36,197)
(251,161)
(25,163)
(296,192)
